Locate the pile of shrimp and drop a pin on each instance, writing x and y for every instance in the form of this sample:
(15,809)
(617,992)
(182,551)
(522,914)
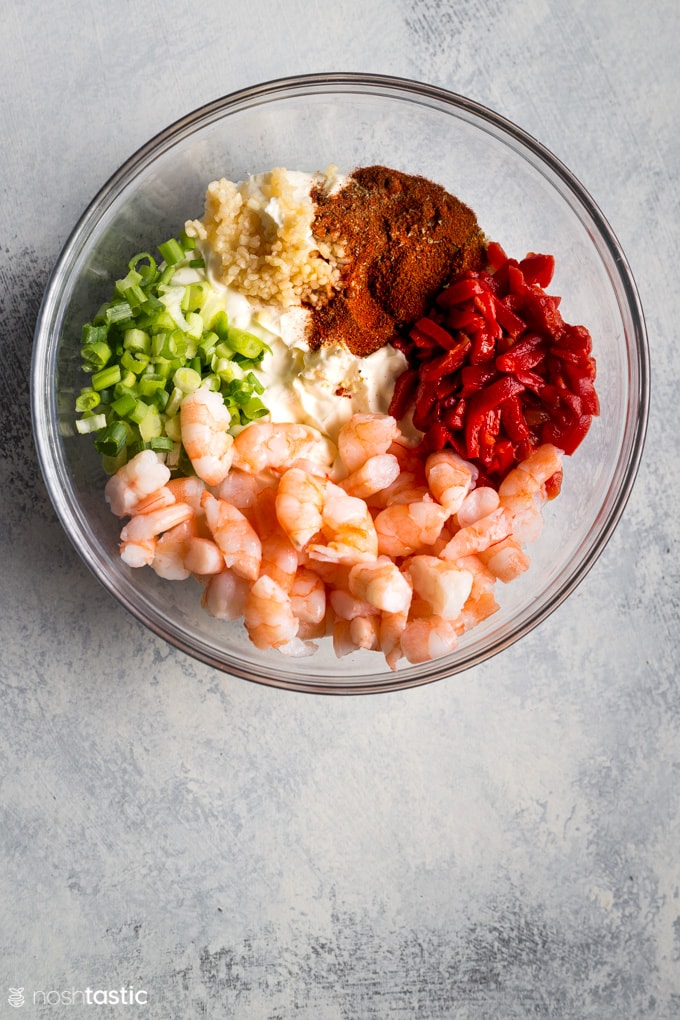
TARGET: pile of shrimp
(363,541)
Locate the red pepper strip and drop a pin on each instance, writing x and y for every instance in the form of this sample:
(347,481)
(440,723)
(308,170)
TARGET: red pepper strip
(502,459)
(485,303)
(460,291)
(437,436)
(512,419)
(435,332)
(566,355)
(577,338)
(542,313)
(516,282)
(523,354)
(495,256)
(553,485)
(565,434)
(484,403)
(425,405)
(454,417)
(446,363)
(420,339)
(474,377)
(511,323)
(404,392)
(483,347)
(531,380)
(538,269)
(464,318)
(590,402)
(559,399)
(481,429)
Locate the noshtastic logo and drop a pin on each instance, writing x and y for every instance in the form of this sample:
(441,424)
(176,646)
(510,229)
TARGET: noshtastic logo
(16,997)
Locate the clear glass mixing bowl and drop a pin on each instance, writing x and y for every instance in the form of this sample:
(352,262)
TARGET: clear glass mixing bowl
(524,198)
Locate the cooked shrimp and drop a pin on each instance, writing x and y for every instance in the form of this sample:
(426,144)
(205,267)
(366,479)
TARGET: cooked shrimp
(143,527)
(408,487)
(240,488)
(142,475)
(478,503)
(279,558)
(347,606)
(171,549)
(450,478)
(506,560)
(474,538)
(404,528)
(428,638)
(526,483)
(224,596)
(235,536)
(204,420)
(203,557)
(351,635)
(443,586)
(374,475)
(348,528)
(391,628)
(381,584)
(266,445)
(364,436)
(156,500)
(187,489)
(364,632)
(300,500)
(308,597)
(268,614)
(138,554)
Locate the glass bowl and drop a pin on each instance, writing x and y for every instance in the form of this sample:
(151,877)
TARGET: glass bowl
(523,197)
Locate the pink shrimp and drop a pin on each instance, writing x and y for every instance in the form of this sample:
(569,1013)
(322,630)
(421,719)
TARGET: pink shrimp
(391,628)
(506,560)
(268,446)
(234,535)
(478,503)
(476,537)
(428,638)
(142,475)
(204,421)
(381,584)
(404,528)
(364,436)
(442,585)
(224,595)
(450,478)
(171,550)
(375,475)
(300,500)
(348,528)
(268,615)
(308,597)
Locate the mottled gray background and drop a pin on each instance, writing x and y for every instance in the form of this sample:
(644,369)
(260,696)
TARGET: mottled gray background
(502,845)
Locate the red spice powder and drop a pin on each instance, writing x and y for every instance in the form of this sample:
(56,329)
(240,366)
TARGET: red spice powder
(404,238)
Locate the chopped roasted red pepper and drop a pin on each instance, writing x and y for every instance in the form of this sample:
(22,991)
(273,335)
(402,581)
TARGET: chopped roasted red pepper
(495,370)
(538,269)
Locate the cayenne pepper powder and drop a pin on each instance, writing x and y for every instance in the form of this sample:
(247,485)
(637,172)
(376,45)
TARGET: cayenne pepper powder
(403,238)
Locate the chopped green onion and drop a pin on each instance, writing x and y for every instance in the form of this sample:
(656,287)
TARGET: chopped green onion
(187,380)
(91,423)
(105,378)
(111,440)
(247,344)
(96,355)
(171,251)
(87,400)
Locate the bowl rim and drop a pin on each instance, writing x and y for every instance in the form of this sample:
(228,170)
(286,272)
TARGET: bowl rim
(43,411)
